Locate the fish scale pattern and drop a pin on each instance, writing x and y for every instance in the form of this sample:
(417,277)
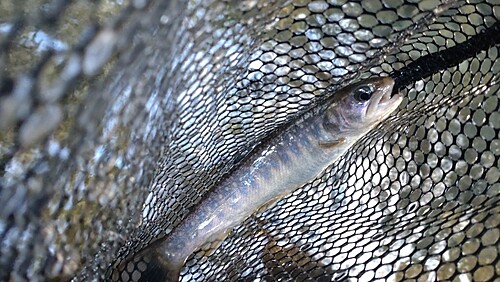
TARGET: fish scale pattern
(147,105)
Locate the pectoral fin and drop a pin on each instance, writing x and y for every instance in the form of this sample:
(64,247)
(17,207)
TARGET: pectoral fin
(332,143)
(267,205)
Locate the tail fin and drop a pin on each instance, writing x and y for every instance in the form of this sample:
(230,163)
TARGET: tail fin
(147,266)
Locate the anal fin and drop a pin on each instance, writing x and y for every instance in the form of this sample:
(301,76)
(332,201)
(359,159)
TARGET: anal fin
(332,143)
(214,242)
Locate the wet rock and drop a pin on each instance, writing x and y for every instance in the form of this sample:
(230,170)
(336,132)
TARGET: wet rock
(58,89)
(17,105)
(40,124)
(99,52)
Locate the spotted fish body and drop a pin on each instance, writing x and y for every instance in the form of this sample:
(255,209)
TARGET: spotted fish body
(275,169)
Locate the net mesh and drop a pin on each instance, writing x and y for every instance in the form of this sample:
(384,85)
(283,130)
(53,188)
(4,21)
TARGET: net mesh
(117,117)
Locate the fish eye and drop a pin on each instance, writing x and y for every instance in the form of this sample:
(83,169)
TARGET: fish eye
(363,93)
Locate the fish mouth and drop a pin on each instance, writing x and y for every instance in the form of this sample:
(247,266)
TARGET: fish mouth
(383,102)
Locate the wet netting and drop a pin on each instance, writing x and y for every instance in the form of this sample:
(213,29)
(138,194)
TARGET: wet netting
(117,117)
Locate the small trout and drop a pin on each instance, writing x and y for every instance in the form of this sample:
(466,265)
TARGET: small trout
(275,169)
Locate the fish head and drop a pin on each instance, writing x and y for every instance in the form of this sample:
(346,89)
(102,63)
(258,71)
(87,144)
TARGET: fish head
(362,105)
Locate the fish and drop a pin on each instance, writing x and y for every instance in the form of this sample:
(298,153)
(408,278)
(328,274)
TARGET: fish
(273,170)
